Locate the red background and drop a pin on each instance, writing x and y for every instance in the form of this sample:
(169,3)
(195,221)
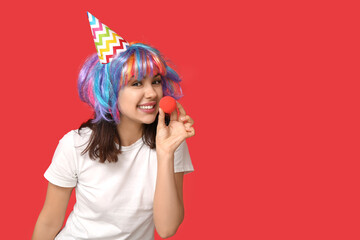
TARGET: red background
(273,87)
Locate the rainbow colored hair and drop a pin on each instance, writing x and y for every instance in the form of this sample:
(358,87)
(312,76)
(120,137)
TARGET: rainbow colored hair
(99,84)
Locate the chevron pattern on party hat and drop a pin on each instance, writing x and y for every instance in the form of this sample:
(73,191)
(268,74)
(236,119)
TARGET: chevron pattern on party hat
(107,42)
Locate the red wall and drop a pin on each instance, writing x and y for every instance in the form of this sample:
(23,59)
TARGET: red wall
(273,87)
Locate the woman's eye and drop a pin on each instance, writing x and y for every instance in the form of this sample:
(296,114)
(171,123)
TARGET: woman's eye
(136,84)
(157,82)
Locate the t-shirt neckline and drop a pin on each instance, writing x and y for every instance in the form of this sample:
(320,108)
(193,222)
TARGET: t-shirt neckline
(132,146)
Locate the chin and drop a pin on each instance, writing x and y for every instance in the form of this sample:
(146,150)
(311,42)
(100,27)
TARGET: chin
(148,120)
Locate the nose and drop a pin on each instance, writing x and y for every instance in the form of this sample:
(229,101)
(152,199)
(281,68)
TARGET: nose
(150,92)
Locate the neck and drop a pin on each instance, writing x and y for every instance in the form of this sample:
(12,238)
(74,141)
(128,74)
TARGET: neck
(129,131)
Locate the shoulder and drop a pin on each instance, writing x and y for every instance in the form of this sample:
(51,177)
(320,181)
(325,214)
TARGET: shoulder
(76,137)
(182,159)
(182,148)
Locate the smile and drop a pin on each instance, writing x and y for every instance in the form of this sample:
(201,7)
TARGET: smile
(147,107)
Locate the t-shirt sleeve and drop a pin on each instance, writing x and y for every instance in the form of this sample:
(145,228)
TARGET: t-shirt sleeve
(62,170)
(182,160)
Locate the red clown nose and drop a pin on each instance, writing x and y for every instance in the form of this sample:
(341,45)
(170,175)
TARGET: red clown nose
(167,104)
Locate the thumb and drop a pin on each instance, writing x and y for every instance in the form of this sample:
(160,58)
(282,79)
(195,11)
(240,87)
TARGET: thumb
(161,119)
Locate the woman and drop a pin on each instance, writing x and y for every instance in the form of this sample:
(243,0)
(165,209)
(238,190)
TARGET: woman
(125,164)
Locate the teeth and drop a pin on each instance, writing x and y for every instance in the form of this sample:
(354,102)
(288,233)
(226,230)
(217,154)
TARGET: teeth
(146,107)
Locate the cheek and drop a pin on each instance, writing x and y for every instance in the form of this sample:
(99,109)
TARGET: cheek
(127,100)
(120,101)
(119,105)
(160,92)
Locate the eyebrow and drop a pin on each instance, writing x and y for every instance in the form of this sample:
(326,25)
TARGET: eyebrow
(132,79)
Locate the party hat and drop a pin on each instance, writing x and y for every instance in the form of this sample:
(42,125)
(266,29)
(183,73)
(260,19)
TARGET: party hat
(107,42)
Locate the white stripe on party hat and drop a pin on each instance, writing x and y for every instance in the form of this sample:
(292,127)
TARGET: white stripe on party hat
(107,42)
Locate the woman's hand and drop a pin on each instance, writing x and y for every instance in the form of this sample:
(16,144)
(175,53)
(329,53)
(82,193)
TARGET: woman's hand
(169,138)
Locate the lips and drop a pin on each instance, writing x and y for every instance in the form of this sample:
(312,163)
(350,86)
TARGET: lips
(148,104)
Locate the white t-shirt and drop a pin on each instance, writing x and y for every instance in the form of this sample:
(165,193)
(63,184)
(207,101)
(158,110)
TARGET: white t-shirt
(113,200)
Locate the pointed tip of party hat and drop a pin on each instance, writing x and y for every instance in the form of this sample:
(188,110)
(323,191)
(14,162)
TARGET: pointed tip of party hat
(107,42)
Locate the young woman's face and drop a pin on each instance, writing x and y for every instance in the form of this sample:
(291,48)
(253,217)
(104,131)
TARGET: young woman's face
(134,97)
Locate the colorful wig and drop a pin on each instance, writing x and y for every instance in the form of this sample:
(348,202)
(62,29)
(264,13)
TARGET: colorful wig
(99,84)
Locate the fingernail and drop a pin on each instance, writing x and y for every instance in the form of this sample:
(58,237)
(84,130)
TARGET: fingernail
(182,118)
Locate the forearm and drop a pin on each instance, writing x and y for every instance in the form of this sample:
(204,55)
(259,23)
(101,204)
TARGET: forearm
(44,231)
(168,209)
